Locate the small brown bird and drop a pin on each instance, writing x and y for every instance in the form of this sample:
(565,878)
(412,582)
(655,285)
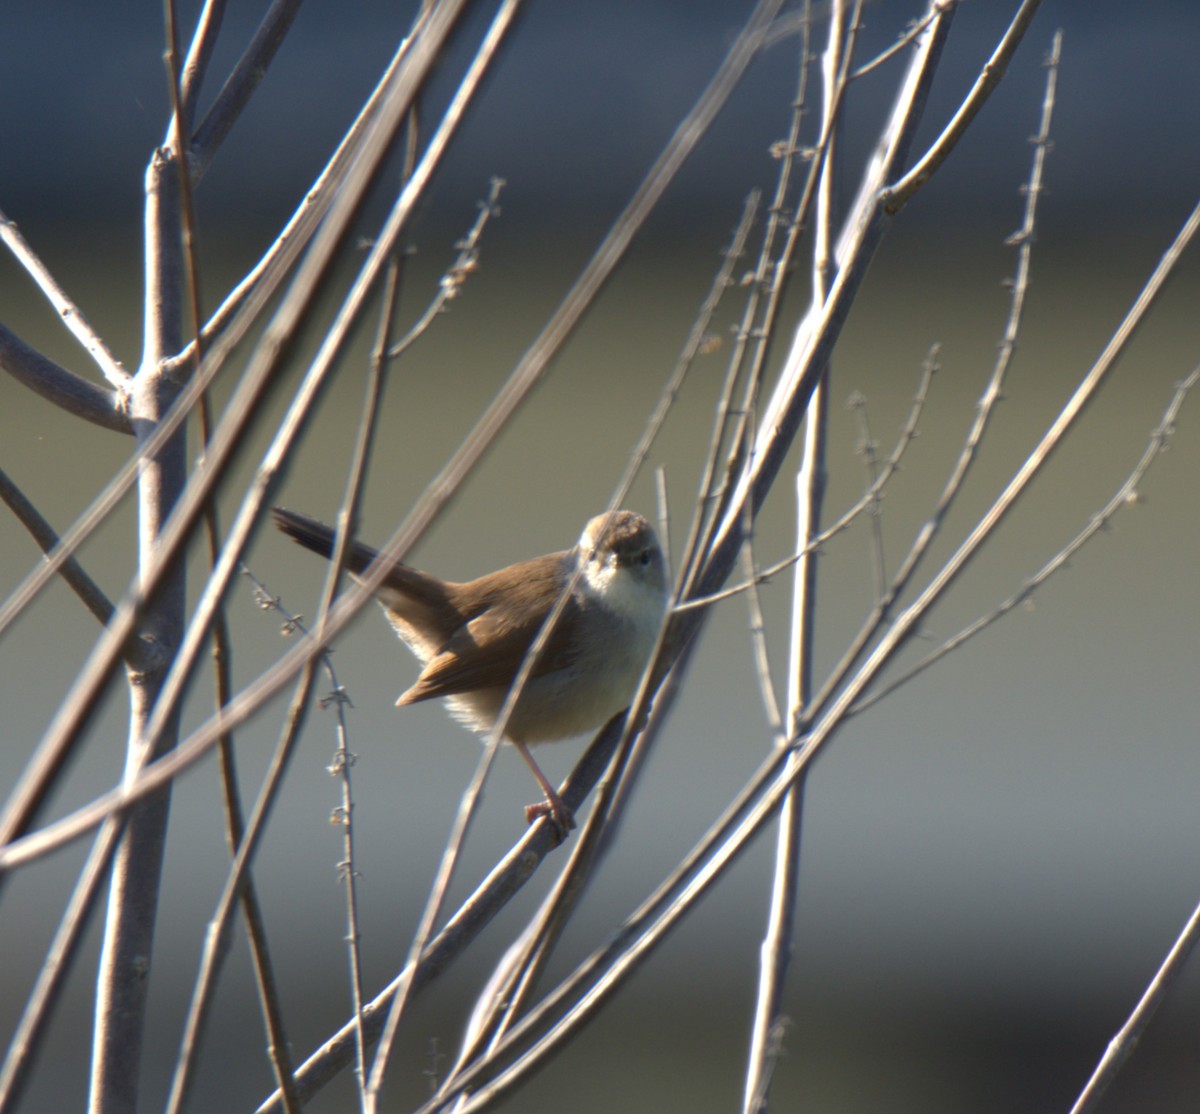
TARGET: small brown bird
(472,638)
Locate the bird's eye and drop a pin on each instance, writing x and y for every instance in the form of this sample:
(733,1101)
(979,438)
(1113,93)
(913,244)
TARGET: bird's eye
(646,555)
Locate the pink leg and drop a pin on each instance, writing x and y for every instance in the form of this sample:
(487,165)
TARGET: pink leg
(560,816)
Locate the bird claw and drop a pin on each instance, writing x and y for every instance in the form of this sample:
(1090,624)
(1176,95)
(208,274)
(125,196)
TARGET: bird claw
(562,819)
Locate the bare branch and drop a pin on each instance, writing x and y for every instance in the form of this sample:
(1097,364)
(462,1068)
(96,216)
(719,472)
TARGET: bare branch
(1121,1047)
(906,39)
(99,405)
(127,947)
(867,500)
(60,957)
(195,65)
(68,312)
(775,951)
(347,527)
(72,572)
(898,194)
(26,799)
(1125,496)
(870,455)
(235,94)
(183,90)
(768,286)
(992,394)
(456,276)
(758,641)
(297,233)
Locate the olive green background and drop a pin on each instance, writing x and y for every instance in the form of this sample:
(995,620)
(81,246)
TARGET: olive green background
(996,858)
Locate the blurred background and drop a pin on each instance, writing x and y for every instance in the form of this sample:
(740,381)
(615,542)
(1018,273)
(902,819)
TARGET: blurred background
(996,858)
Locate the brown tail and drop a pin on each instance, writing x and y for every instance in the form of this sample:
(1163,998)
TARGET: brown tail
(318,537)
(424,602)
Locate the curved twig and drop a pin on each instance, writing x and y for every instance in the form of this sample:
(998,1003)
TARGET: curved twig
(100,405)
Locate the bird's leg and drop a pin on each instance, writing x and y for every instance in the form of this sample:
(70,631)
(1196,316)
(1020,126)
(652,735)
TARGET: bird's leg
(561,817)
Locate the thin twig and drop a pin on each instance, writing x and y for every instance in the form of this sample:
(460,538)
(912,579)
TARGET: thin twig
(251,68)
(454,279)
(60,956)
(217,937)
(899,193)
(707,493)
(771,278)
(906,39)
(867,447)
(1125,496)
(199,56)
(766,1034)
(89,592)
(347,527)
(863,504)
(992,394)
(1121,1047)
(297,233)
(758,643)
(216,941)
(663,516)
(64,308)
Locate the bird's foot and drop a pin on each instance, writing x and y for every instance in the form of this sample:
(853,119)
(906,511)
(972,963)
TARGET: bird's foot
(562,819)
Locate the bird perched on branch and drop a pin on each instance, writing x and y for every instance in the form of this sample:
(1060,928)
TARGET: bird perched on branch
(472,638)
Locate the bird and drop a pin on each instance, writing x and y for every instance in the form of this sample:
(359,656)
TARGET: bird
(471,638)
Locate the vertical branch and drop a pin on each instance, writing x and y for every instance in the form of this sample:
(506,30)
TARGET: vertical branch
(184,89)
(133,891)
(346,527)
(362,163)
(776,948)
(1023,241)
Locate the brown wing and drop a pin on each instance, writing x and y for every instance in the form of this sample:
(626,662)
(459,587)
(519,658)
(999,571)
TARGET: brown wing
(488,652)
